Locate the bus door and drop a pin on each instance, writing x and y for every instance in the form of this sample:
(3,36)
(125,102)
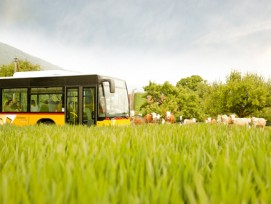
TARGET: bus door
(72,109)
(80,105)
(88,106)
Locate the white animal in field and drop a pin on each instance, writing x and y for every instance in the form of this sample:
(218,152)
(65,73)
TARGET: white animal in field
(152,118)
(210,120)
(189,121)
(223,119)
(258,122)
(240,121)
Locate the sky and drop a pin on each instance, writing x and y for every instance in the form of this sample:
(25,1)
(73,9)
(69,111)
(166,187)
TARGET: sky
(143,41)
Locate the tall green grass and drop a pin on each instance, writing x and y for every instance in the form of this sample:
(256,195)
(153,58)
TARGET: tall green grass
(137,164)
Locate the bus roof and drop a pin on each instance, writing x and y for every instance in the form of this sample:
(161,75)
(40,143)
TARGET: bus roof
(46,78)
(44,73)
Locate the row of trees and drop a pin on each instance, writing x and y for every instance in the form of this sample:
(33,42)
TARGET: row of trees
(22,66)
(192,97)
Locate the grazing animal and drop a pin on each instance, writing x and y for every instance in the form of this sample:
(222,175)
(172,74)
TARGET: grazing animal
(240,121)
(155,117)
(169,118)
(189,121)
(210,120)
(223,119)
(152,118)
(258,122)
(148,118)
(138,120)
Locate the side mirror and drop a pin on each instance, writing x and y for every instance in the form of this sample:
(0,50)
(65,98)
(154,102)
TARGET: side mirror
(111,84)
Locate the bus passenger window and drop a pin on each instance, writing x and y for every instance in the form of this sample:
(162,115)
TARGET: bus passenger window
(44,107)
(34,107)
(17,106)
(8,106)
(15,100)
(60,106)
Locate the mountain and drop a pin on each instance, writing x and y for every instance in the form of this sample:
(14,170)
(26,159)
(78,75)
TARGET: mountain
(8,53)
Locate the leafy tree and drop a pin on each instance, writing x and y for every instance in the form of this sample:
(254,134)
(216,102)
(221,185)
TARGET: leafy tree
(246,95)
(242,95)
(214,101)
(193,83)
(8,70)
(181,100)
(266,111)
(160,98)
(193,90)
(189,104)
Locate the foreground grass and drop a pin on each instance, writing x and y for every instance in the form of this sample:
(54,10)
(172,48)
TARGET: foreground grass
(143,164)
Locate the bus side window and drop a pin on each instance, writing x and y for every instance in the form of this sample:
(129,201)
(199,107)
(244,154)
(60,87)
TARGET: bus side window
(17,106)
(34,107)
(59,106)
(8,106)
(14,100)
(44,107)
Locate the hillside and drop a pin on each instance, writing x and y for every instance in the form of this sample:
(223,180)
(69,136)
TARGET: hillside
(7,54)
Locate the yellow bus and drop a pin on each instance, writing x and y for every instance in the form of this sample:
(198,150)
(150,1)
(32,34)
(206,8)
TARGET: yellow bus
(30,98)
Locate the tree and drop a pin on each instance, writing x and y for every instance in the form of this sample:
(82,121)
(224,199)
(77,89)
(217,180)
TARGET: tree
(192,93)
(189,104)
(193,83)
(214,101)
(160,98)
(180,100)
(242,95)
(8,70)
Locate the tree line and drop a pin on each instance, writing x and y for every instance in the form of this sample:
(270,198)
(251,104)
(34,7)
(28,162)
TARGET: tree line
(22,66)
(192,97)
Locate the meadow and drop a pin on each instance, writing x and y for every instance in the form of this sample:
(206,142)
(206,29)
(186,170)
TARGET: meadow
(198,163)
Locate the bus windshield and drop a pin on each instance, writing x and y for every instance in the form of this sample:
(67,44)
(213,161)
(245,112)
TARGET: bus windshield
(114,104)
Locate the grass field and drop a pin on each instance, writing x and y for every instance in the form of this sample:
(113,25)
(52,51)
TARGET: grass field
(142,164)
(139,100)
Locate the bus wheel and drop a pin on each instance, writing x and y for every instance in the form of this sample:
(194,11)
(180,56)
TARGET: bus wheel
(46,122)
